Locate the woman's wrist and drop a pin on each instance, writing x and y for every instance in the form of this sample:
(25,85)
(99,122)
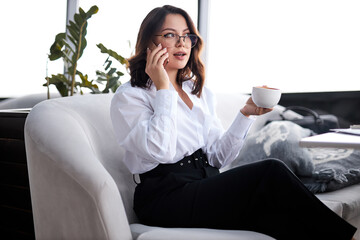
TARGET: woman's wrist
(243,112)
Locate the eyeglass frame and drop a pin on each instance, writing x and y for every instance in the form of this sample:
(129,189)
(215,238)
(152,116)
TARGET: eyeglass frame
(179,37)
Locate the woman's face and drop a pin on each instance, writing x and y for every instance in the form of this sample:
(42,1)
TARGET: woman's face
(179,51)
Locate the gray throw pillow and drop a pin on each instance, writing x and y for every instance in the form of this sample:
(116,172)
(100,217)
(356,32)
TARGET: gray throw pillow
(278,139)
(320,169)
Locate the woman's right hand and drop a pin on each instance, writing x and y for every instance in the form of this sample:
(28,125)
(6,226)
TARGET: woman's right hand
(251,109)
(155,62)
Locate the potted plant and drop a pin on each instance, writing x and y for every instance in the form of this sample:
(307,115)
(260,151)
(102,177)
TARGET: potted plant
(69,46)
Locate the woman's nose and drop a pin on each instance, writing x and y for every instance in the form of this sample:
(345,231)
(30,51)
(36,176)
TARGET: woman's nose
(180,43)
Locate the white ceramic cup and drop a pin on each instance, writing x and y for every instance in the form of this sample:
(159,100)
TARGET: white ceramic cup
(266,97)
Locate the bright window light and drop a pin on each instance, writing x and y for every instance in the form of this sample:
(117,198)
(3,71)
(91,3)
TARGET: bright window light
(297,46)
(28,30)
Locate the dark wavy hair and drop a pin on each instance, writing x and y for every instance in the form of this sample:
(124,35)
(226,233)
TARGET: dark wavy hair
(152,23)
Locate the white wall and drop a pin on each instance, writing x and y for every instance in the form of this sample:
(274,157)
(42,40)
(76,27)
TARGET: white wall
(297,46)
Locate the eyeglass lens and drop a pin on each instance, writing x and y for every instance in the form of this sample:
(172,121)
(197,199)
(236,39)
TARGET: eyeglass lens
(190,40)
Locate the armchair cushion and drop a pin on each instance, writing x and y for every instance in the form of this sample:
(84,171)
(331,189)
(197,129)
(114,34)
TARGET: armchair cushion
(143,232)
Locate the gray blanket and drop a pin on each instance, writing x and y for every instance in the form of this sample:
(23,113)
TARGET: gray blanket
(320,169)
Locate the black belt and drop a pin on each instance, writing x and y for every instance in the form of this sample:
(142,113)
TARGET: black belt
(197,160)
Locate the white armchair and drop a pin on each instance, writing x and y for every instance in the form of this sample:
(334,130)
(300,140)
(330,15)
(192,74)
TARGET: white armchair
(80,188)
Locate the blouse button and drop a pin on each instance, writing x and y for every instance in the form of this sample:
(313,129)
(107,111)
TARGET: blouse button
(196,159)
(181,164)
(189,161)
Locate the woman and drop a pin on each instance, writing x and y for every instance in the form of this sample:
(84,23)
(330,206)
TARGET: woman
(165,119)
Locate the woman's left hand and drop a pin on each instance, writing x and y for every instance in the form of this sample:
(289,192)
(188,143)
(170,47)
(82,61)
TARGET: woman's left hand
(251,109)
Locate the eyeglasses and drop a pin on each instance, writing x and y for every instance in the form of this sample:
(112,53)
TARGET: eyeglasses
(171,39)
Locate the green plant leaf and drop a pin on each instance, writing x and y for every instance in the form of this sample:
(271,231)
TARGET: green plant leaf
(61,84)
(84,29)
(83,46)
(55,55)
(108,63)
(100,73)
(78,20)
(100,80)
(112,53)
(93,10)
(56,47)
(111,71)
(59,37)
(113,81)
(82,13)
(67,59)
(113,88)
(73,33)
(71,69)
(120,73)
(69,47)
(75,26)
(85,83)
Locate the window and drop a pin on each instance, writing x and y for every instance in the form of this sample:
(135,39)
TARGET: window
(28,30)
(297,46)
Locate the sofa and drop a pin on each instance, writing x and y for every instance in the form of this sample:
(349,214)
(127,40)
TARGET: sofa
(26,101)
(80,188)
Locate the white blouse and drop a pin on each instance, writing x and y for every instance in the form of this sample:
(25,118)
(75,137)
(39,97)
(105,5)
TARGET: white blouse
(158,127)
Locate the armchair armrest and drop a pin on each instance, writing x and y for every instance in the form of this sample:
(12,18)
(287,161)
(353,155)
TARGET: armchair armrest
(73,195)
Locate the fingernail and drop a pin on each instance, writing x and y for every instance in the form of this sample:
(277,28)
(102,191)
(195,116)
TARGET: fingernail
(159,45)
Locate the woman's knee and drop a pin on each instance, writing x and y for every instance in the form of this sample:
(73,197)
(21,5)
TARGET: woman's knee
(259,168)
(274,161)
(275,164)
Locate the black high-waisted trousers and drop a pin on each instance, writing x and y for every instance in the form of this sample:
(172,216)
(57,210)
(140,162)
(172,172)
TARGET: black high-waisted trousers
(264,197)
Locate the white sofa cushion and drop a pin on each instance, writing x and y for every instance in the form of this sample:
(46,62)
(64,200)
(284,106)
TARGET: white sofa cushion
(27,101)
(348,197)
(143,232)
